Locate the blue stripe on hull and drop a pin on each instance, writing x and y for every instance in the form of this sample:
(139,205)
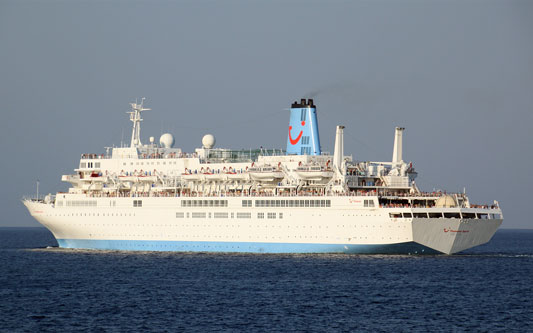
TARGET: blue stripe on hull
(250,247)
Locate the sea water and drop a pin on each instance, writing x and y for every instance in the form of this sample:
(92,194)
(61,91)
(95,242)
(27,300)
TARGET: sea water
(47,289)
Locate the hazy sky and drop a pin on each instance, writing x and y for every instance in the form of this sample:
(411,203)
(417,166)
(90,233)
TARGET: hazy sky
(457,74)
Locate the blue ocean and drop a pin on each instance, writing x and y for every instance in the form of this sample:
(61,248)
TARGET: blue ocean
(47,289)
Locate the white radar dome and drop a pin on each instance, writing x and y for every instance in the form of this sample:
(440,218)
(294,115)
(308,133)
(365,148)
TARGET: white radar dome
(446,201)
(166,140)
(208,141)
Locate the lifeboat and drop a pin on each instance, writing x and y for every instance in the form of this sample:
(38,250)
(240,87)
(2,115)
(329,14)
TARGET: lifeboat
(132,179)
(191,176)
(210,176)
(147,179)
(238,175)
(314,172)
(265,173)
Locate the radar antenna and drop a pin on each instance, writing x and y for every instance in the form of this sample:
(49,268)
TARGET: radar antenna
(135,117)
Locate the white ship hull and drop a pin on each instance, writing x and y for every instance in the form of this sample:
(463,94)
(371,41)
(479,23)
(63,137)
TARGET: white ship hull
(161,224)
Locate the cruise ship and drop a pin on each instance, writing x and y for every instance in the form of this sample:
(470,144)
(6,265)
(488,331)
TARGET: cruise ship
(155,197)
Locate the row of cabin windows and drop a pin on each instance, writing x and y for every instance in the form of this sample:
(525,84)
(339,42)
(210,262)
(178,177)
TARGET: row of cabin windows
(204,203)
(76,203)
(223,215)
(456,215)
(258,203)
(269,215)
(149,163)
(290,203)
(89,165)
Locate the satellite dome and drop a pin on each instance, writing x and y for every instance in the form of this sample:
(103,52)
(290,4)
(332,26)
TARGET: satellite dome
(166,140)
(446,201)
(208,141)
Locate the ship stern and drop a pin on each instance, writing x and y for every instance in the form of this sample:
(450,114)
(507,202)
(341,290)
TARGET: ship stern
(453,235)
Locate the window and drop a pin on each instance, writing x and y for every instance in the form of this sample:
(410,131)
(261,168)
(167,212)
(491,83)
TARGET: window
(97,164)
(469,215)
(260,215)
(244,215)
(247,203)
(219,215)
(271,215)
(180,215)
(407,215)
(421,215)
(369,203)
(137,203)
(280,215)
(83,165)
(452,215)
(395,215)
(198,215)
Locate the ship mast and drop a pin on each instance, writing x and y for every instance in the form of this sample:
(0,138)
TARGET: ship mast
(135,117)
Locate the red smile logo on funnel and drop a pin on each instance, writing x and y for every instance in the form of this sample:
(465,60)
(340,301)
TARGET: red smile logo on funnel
(295,141)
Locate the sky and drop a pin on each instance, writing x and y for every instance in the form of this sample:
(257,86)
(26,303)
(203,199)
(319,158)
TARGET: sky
(457,74)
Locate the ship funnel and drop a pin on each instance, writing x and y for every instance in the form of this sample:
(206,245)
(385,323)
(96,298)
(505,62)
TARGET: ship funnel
(338,154)
(397,152)
(303,136)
